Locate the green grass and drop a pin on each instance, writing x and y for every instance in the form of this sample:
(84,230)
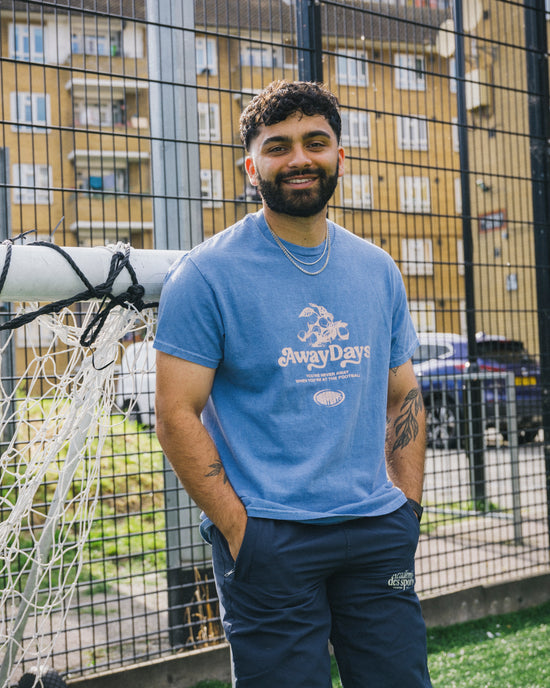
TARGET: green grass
(506,651)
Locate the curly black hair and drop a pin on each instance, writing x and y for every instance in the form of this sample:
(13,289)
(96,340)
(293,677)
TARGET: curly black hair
(283,98)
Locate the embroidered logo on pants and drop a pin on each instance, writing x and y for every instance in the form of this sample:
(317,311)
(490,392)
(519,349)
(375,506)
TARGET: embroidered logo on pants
(402,580)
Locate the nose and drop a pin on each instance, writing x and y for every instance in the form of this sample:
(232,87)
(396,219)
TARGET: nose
(300,157)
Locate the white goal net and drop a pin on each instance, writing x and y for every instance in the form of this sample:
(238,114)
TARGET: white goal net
(55,412)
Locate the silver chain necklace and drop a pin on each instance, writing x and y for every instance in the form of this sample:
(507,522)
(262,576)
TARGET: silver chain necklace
(297,262)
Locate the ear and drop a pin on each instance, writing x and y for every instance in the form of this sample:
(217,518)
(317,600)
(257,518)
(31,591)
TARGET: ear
(341,158)
(251,170)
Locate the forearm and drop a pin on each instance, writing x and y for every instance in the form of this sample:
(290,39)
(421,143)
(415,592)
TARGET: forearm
(406,443)
(195,459)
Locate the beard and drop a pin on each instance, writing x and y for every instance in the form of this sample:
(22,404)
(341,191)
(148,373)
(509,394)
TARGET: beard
(298,202)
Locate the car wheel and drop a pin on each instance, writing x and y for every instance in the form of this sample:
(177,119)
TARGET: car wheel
(441,422)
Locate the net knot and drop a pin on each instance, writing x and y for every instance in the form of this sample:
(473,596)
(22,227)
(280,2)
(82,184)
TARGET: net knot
(131,298)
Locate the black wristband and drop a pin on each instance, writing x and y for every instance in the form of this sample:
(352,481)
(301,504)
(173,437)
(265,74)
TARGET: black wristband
(416,507)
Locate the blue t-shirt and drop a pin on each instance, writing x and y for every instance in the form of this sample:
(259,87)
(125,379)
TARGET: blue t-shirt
(298,405)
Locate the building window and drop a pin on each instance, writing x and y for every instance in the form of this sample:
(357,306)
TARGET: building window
(410,72)
(28,109)
(261,56)
(352,69)
(414,194)
(95,114)
(460,256)
(355,128)
(356,191)
(206,55)
(452,75)
(92,44)
(211,188)
(26,42)
(458,195)
(417,257)
(209,121)
(97,179)
(423,315)
(412,133)
(31,184)
(454,134)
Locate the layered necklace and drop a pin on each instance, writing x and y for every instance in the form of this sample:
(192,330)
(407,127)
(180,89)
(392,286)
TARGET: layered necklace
(298,262)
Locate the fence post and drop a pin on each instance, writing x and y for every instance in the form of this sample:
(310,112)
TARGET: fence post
(536,45)
(175,166)
(7,366)
(177,214)
(475,438)
(309,40)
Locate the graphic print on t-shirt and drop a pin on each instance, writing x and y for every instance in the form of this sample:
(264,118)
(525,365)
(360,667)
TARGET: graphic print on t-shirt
(331,357)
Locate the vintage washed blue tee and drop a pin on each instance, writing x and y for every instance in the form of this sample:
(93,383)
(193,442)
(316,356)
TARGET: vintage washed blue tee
(298,405)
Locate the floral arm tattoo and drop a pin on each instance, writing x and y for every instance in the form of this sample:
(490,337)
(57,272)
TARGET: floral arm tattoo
(406,424)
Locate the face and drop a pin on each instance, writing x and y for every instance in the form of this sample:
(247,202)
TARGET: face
(296,164)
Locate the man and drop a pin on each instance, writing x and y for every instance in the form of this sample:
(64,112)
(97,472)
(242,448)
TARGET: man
(290,337)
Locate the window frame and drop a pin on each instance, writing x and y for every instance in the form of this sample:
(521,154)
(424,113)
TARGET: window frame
(33,124)
(261,56)
(414,194)
(423,314)
(348,77)
(211,182)
(412,132)
(417,256)
(31,193)
(360,194)
(208,121)
(407,71)
(121,178)
(30,34)
(356,126)
(206,55)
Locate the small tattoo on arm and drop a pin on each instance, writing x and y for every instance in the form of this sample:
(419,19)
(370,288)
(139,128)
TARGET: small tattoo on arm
(394,370)
(406,424)
(217,469)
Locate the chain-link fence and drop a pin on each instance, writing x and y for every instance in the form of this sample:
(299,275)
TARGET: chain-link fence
(119,121)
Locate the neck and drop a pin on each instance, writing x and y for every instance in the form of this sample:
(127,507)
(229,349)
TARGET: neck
(302,231)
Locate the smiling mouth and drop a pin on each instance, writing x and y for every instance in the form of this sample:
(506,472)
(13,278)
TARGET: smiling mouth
(299,182)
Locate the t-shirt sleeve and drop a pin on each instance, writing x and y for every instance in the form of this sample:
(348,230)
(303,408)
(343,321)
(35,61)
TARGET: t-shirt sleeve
(404,340)
(189,325)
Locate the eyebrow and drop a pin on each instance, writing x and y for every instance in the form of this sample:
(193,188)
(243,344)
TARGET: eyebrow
(286,139)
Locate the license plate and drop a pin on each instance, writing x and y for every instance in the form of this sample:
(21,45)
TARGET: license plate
(526,381)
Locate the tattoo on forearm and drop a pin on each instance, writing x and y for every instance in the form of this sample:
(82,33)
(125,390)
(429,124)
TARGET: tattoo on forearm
(217,469)
(406,424)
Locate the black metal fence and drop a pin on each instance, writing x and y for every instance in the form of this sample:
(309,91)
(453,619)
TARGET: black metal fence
(119,121)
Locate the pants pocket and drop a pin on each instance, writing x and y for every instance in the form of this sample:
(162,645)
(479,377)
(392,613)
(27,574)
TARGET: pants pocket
(226,565)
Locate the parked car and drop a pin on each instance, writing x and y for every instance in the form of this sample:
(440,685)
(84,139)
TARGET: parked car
(136,382)
(441,364)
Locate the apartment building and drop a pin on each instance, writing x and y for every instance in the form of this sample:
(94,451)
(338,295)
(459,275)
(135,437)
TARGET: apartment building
(76,135)
(75,124)
(398,101)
